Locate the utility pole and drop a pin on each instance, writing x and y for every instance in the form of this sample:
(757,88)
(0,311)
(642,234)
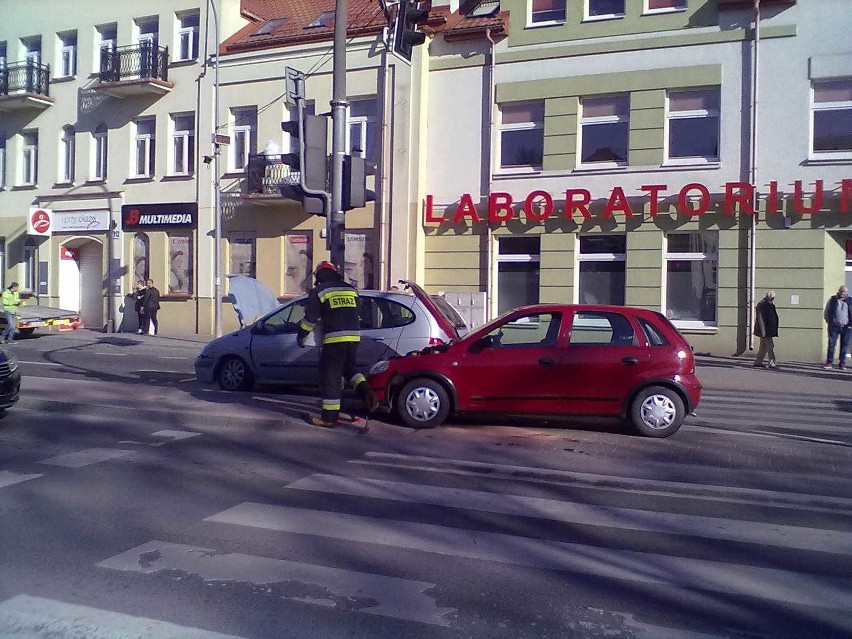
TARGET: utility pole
(336,221)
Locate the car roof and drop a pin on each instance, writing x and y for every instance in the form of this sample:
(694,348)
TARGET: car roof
(570,308)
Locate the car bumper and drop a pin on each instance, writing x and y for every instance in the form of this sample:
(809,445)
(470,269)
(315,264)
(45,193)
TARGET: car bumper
(204,370)
(692,386)
(10,389)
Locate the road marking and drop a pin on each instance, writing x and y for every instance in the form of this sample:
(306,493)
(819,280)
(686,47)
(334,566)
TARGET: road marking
(112,354)
(22,361)
(171,435)
(26,617)
(781,400)
(839,427)
(173,357)
(343,589)
(618,483)
(86,457)
(585,514)
(7,478)
(623,565)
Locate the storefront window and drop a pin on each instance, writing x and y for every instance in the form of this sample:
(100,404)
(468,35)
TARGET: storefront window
(141,258)
(604,129)
(832,118)
(299,263)
(693,123)
(602,266)
(522,135)
(518,272)
(243,255)
(180,263)
(359,269)
(691,278)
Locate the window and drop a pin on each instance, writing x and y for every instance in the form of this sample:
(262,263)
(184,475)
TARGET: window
(29,159)
(141,258)
(143,164)
(33,57)
(28,283)
(180,263)
(518,268)
(691,280)
(243,255)
(601,329)
(183,144)
(298,263)
(148,40)
(522,135)
(2,162)
(106,38)
(359,268)
(67,62)
(66,154)
(187,34)
(602,269)
(325,19)
(378,313)
(653,334)
(284,320)
(245,137)
(604,8)
(362,132)
(652,6)
(99,153)
(832,118)
(693,125)
(546,11)
(604,130)
(2,56)
(535,330)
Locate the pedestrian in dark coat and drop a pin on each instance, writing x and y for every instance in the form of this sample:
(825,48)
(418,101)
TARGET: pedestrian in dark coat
(150,306)
(139,299)
(838,320)
(766,328)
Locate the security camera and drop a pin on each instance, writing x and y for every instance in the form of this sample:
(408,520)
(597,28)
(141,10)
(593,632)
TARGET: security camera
(207,159)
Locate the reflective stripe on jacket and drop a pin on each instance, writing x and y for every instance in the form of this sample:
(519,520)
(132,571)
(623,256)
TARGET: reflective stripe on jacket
(336,305)
(11,301)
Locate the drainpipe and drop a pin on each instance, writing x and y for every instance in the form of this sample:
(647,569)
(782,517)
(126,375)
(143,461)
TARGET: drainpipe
(753,175)
(490,275)
(382,194)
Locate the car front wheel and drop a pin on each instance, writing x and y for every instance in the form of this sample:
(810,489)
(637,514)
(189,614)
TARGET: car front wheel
(234,375)
(657,411)
(422,403)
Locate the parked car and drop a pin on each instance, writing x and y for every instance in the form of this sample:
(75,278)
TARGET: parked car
(551,360)
(10,381)
(265,351)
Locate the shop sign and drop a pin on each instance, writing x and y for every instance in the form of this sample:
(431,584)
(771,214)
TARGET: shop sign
(80,221)
(693,199)
(139,217)
(40,222)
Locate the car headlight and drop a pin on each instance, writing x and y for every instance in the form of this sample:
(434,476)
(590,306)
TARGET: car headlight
(13,365)
(379,367)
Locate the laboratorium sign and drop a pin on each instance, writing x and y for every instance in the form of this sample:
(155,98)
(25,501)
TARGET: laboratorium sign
(139,217)
(692,199)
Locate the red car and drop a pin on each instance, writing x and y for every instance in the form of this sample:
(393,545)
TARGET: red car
(551,359)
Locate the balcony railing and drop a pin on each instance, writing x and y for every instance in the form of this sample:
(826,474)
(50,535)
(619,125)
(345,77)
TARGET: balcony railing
(265,174)
(25,77)
(141,61)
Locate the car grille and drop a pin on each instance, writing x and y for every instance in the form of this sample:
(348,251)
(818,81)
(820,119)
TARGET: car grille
(5,371)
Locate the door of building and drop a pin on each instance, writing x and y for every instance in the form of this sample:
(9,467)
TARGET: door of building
(91,285)
(69,279)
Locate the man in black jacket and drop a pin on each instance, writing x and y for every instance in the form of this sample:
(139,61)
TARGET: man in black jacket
(334,302)
(838,319)
(150,306)
(766,328)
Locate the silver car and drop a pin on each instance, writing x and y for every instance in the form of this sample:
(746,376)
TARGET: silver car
(265,352)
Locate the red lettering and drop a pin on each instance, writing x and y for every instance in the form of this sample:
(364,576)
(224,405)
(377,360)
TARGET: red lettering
(741,193)
(500,207)
(683,201)
(530,206)
(617,202)
(772,199)
(799,199)
(582,205)
(466,208)
(430,218)
(133,216)
(654,192)
(845,195)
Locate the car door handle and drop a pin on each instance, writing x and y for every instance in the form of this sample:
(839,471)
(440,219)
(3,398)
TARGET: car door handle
(630,361)
(545,361)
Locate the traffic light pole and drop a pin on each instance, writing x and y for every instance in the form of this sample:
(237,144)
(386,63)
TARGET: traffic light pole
(336,220)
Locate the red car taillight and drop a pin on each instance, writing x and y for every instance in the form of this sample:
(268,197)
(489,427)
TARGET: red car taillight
(435,341)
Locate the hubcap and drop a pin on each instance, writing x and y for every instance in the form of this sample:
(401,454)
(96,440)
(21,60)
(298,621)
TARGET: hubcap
(658,412)
(233,374)
(422,404)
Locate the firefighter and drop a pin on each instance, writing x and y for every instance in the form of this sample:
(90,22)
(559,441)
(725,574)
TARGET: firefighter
(334,302)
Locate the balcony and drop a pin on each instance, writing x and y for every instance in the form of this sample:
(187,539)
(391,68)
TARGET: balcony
(25,85)
(265,175)
(140,69)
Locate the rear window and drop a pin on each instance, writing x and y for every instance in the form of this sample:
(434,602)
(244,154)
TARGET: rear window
(449,313)
(600,327)
(653,334)
(378,312)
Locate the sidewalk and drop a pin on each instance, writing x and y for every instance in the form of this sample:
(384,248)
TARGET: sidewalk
(794,378)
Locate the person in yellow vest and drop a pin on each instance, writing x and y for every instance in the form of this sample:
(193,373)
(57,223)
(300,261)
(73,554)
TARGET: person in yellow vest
(11,302)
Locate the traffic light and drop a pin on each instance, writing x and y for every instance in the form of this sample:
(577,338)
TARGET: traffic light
(310,162)
(409,16)
(355,191)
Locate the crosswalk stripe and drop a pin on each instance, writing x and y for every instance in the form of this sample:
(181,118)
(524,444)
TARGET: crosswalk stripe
(775,402)
(585,514)
(620,483)
(624,565)
(86,457)
(344,589)
(766,421)
(7,478)
(27,617)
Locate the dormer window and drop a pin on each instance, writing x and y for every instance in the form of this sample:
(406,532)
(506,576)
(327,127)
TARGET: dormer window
(325,19)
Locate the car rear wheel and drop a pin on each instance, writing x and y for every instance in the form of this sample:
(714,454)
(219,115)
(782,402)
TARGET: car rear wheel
(234,375)
(423,403)
(26,332)
(657,411)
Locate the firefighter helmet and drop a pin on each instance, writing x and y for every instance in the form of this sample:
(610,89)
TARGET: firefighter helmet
(325,264)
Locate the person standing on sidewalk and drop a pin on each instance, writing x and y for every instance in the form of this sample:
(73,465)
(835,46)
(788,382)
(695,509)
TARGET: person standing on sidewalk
(334,302)
(766,328)
(139,301)
(838,318)
(11,302)
(150,306)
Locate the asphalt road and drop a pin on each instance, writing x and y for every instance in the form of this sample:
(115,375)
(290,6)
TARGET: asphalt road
(136,504)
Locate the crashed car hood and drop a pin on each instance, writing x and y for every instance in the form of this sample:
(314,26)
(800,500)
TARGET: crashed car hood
(250,298)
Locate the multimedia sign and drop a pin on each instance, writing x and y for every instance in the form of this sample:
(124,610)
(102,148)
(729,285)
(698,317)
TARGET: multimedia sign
(139,217)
